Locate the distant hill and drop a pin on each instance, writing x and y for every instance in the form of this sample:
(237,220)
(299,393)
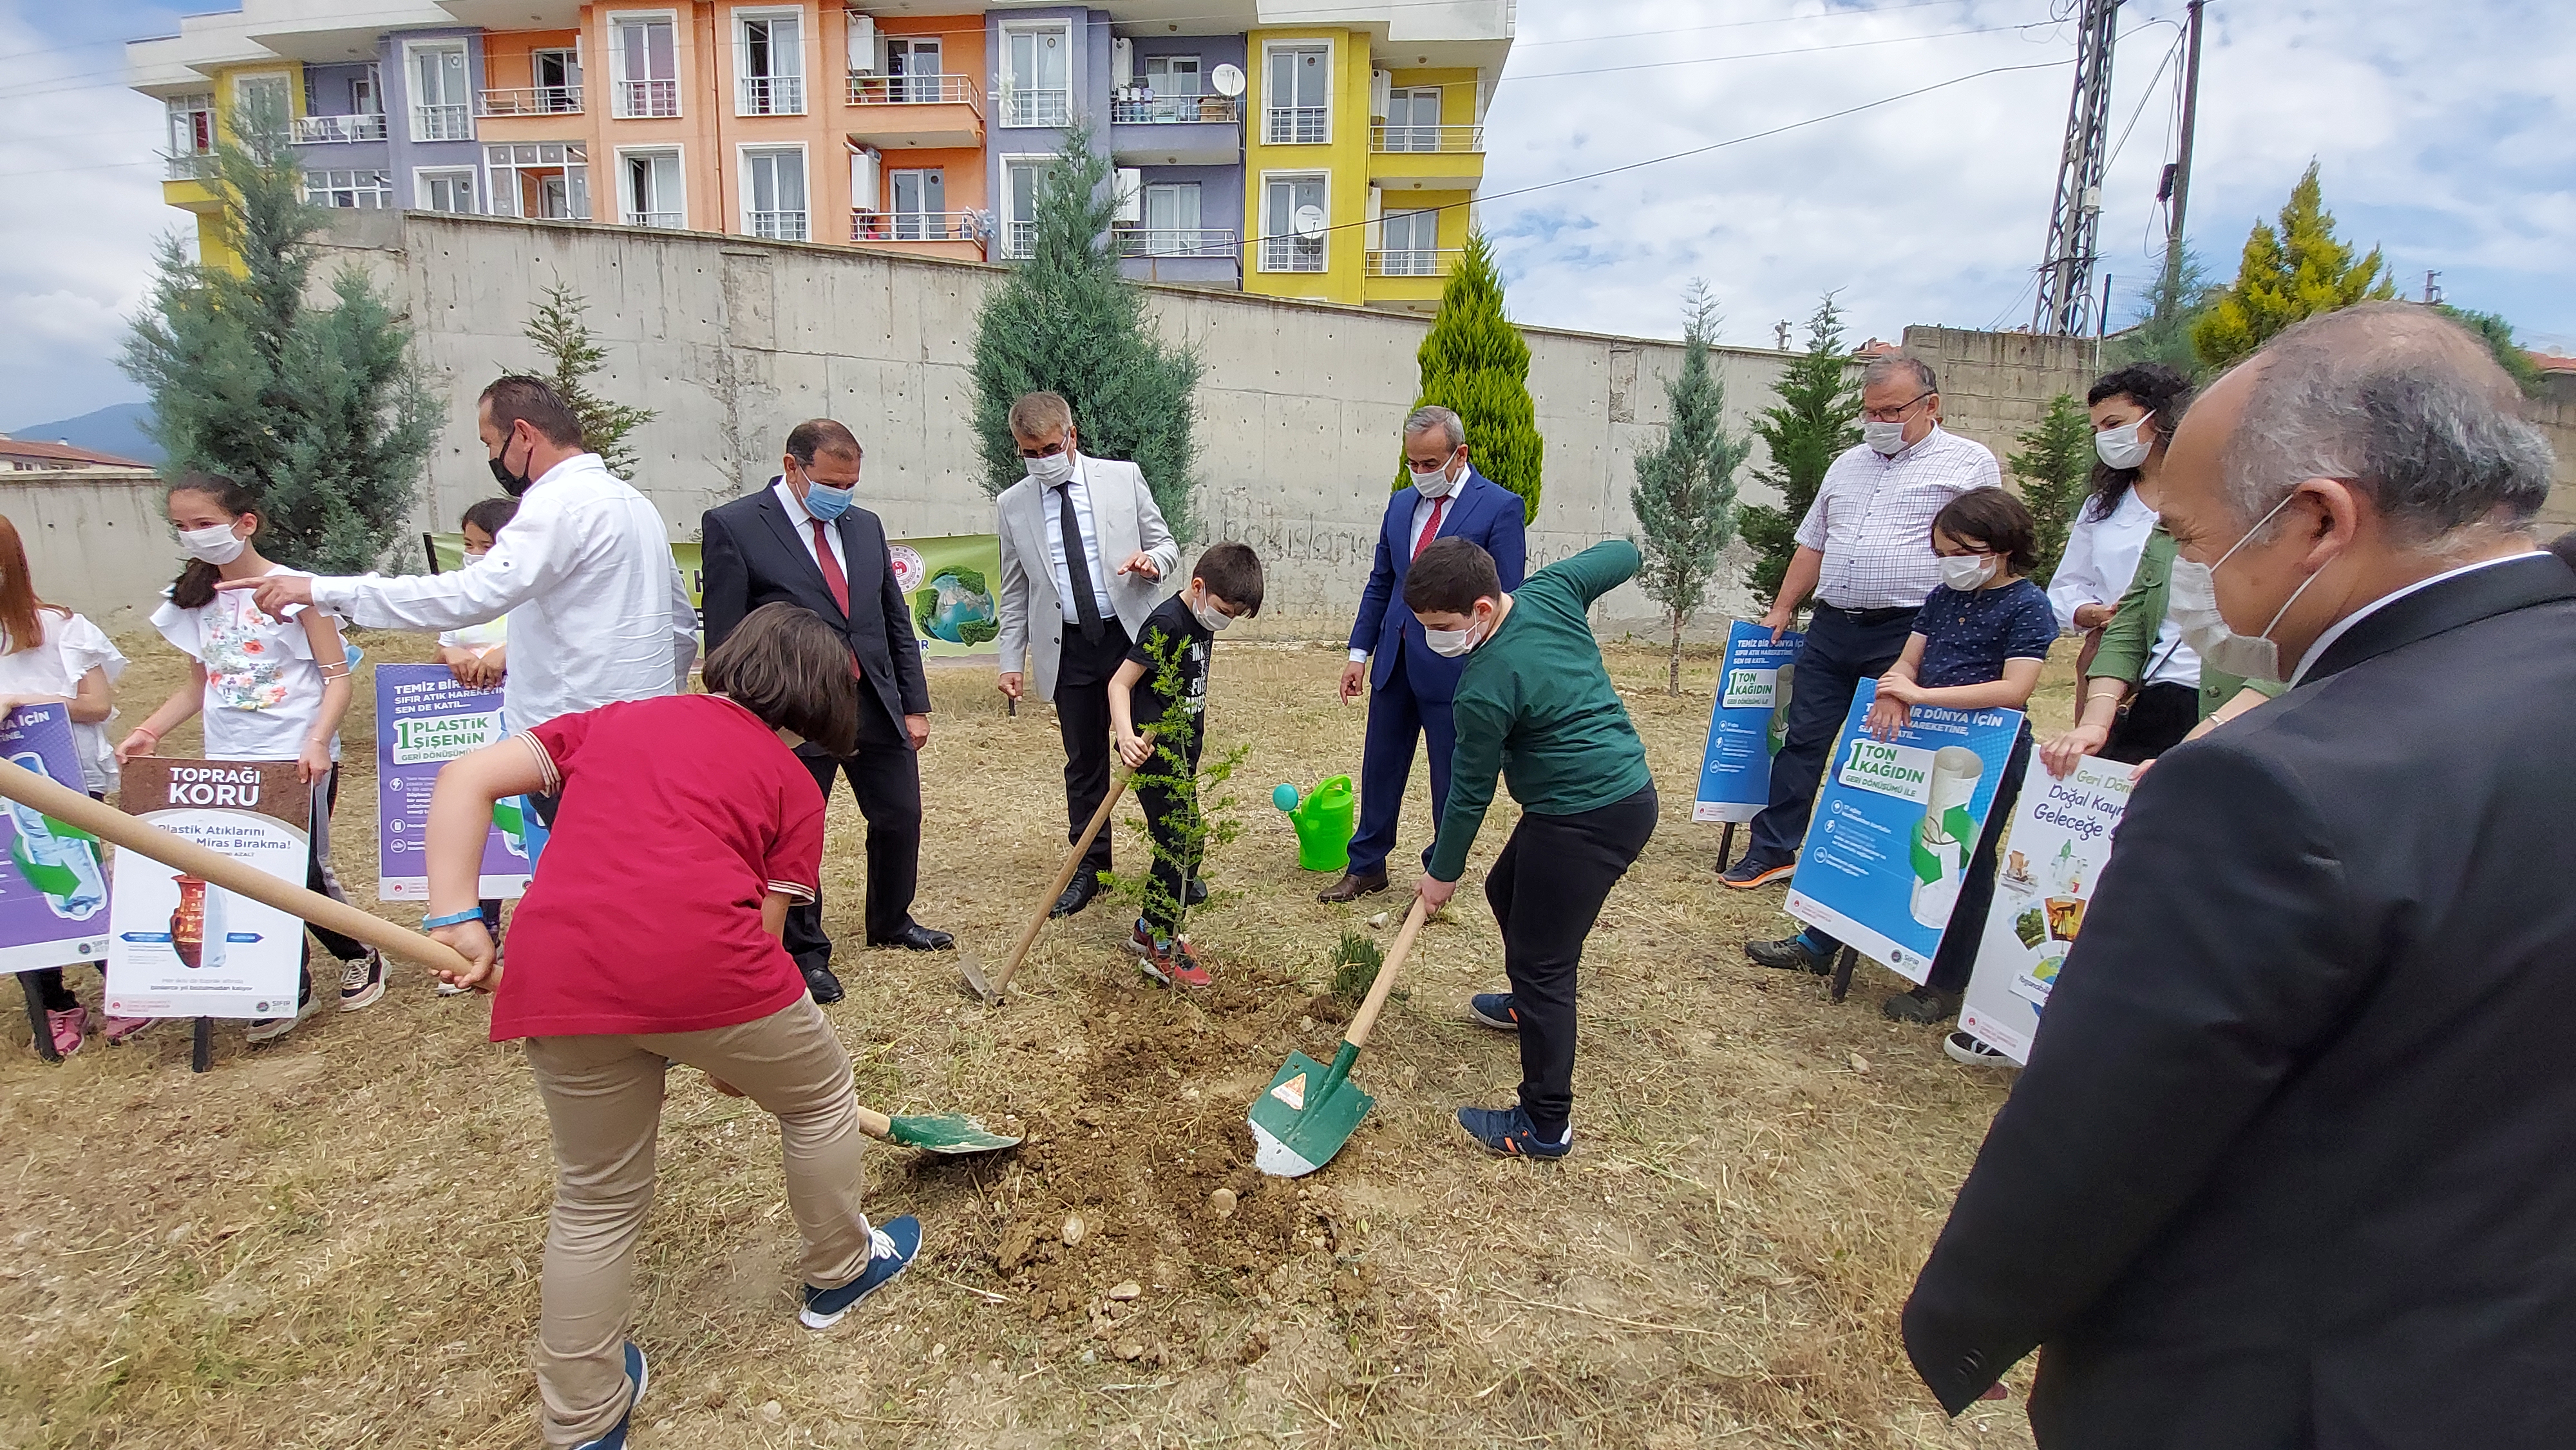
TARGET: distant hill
(117,430)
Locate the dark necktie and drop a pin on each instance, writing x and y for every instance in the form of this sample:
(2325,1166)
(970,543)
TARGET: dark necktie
(1077,566)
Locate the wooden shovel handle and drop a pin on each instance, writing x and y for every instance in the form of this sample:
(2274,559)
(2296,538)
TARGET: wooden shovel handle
(1366,1017)
(145,839)
(1063,879)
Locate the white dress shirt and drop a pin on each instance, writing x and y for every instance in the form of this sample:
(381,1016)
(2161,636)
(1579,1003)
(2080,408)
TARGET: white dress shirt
(2337,630)
(2101,559)
(1872,519)
(804,524)
(598,611)
(1073,488)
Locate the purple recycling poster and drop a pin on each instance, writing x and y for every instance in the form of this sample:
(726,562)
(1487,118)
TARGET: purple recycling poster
(53,895)
(425,719)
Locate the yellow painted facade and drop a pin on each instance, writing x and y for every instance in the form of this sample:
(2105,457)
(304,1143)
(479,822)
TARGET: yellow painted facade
(197,195)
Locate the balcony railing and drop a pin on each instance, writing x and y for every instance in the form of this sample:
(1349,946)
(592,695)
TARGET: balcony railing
(1395,139)
(778,226)
(1175,110)
(529,101)
(1136,240)
(1020,241)
(1292,254)
(1037,108)
(648,98)
(312,130)
(941,90)
(913,226)
(1411,262)
(668,219)
(442,123)
(1296,126)
(189,165)
(770,95)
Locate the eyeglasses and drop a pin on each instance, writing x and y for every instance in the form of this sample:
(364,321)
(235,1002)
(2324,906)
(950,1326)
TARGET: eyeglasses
(1890,415)
(1049,451)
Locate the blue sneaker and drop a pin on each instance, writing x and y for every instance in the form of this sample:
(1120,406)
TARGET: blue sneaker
(896,1243)
(1494,1009)
(639,1375)
(1508,1131)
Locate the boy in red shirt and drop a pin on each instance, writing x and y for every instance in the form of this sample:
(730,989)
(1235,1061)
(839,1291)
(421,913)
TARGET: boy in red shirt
(650,936)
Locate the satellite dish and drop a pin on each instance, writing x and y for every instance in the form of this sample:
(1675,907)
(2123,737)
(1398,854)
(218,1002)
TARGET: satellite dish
(1308,221)
(1227,80)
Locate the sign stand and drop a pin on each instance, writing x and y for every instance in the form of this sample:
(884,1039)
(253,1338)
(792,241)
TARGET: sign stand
(36,1019)
(1843,966)
(201,1050)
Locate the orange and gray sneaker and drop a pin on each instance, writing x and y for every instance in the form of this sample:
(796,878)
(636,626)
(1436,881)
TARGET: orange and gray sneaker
(1167,960)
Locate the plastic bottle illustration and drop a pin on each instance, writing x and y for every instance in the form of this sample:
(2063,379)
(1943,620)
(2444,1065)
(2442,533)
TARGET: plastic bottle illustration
(509,813)
(1325,821)
(61,864)
(1946,836)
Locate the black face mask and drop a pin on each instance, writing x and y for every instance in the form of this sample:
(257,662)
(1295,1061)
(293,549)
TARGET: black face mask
(513,484)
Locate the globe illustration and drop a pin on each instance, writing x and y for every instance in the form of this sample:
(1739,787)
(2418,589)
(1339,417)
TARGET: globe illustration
(956,606)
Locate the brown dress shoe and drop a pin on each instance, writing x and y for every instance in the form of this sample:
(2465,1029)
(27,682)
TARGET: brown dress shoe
(1353,886)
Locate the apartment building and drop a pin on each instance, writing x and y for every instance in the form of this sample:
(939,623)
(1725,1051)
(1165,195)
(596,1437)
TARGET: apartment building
(1295,148)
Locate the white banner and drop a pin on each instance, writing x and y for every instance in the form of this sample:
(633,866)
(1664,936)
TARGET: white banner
(2060,840)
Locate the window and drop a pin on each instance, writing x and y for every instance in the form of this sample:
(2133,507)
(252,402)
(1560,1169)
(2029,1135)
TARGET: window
(1172,88)
(1172,220)
(1412,120)
(557,74)
(1021,180)
(367,190)
(366,94)
(1296,100)
(446,190)
(773,192)
(257,96)
(1292,224)
(545,180)
(441,104)
(643,55)
(648,189)
(1037,84)
(1412,244)
(913,66)
(769,64)
(192,135)
(920,205)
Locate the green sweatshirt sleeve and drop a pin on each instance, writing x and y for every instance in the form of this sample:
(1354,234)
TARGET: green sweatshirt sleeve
(1598,570)
(2139,617)
(1480,722)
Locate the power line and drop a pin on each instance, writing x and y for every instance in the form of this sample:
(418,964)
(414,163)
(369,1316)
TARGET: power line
(1768,54)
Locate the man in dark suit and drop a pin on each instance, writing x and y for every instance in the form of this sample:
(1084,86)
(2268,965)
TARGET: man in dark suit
(2294,1162)
(802,540)
(1409,686)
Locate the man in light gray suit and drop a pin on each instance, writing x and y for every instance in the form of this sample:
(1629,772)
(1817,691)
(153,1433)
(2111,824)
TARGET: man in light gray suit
(1084,552)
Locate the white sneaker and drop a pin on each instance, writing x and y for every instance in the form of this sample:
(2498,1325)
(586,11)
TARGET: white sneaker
(1972,1052)
(269,1029)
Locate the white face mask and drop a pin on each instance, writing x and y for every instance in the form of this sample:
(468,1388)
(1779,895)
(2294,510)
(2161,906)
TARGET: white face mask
(1437,483)
(2192,604)
(1968,572)
(2121,447)
(217,545)
(1884,438)
(1053,469)
(1208,614)
(1451,643)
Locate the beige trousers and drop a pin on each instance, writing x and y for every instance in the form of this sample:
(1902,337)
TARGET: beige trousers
(603,1096)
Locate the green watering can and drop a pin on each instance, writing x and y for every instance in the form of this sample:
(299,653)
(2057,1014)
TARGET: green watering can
(1325,819)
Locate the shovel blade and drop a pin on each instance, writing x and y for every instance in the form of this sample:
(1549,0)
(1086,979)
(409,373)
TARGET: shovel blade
(1305,1116)
(950,1133)
(971,967)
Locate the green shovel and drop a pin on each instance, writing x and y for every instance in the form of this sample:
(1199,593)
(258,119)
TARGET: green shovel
(1311,1110)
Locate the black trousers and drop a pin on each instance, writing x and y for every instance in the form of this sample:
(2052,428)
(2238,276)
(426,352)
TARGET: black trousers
(2157,719)
(1082,715)
(885,775)
(1843,648)
(1168,811)
(1546,890)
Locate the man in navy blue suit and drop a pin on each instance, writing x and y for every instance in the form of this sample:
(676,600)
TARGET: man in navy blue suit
(1409,685)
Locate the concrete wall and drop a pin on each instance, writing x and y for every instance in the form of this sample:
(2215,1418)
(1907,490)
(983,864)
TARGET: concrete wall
(99,546)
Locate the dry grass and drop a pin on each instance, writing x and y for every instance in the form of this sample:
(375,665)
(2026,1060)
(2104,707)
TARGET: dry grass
(331,1241)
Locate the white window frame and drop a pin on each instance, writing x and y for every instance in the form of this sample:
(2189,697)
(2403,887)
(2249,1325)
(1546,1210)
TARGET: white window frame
(422,175)
(909,46)
(1072,73)
(286,91)
(411,51)
(1173,241)
(742,77)
(1269,94)
(493,191)
(571,91)
(627,212)
(1010,223)
(1261,216)
(192,105)
(319,179)
(618,79)
(925,226)
(374,83)
(742,154)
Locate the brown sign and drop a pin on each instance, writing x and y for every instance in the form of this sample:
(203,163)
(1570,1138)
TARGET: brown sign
(268,788)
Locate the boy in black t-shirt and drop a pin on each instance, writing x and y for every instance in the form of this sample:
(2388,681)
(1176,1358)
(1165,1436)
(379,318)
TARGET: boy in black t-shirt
(1162,688)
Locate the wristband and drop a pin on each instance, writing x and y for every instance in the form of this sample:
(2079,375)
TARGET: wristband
(453,918)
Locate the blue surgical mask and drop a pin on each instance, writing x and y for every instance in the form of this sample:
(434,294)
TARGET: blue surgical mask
(825,502)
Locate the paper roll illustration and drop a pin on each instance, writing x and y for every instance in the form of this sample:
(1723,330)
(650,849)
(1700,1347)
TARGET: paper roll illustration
(1946,836)
(1779,735)
(60,862)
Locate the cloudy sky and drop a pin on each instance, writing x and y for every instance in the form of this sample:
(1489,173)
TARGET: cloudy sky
(2447,135)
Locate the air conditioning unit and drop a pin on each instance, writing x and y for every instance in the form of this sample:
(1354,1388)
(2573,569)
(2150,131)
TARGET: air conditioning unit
(1381,94)
(1131,194)
(866,190)
(1122,62)
(863,45)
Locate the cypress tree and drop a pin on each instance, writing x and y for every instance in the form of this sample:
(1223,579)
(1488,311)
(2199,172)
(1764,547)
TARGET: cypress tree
(1475,364)
(1814,422)
(2289,273)
(2056,472)
(1684,496)
(1066,321)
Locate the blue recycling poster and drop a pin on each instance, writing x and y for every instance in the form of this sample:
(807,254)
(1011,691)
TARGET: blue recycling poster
(53,891)
(1747,724)
(1894,827)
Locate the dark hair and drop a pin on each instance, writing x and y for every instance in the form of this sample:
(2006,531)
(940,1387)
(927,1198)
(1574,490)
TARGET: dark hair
(1994,518)
(195,586)
(518,398)
(2564,546)
(1231,572)
(785,665)
(491,513)
(2159,390)
(1449,577)
(821,435)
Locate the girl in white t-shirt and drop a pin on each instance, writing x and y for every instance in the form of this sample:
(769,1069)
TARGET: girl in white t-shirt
(270,689)
(51,656)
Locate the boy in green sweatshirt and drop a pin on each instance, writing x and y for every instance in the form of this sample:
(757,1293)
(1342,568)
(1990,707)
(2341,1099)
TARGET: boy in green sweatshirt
(1536,705)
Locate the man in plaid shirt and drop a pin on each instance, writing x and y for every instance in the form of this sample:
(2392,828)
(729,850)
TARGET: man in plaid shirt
(1865,552)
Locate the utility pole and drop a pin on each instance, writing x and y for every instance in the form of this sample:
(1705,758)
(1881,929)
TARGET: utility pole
(2432,292)
(1783,331)
(2178,183)
(2074,227)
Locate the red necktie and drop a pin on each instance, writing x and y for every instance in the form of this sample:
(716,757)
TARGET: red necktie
(837,582)
(1431,530)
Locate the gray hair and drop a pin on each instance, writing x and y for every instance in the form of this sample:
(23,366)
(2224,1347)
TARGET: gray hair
(2410,408)
(1886,369)
(1432,415)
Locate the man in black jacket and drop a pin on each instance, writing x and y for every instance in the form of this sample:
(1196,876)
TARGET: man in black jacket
(802,540)
(2294,1162)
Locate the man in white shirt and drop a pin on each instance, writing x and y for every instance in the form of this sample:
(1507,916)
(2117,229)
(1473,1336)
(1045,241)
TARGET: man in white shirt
(598,610)
(1865,552)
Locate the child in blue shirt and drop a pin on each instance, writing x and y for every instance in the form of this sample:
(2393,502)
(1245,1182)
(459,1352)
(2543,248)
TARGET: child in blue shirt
(1978,645)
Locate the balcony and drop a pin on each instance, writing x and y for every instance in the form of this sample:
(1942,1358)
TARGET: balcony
(667,220)
(777,226)
(442,123)
(529,101)
(188,166)
(1296,126)
(769,96)
(1292,254)
(324,130)
(1427,158)
(1151,130)
(1180,256)
(1411,262)
(1037,108)
(646,99)
(1150,110)
(957,234)
(897,113)
(1407,279)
